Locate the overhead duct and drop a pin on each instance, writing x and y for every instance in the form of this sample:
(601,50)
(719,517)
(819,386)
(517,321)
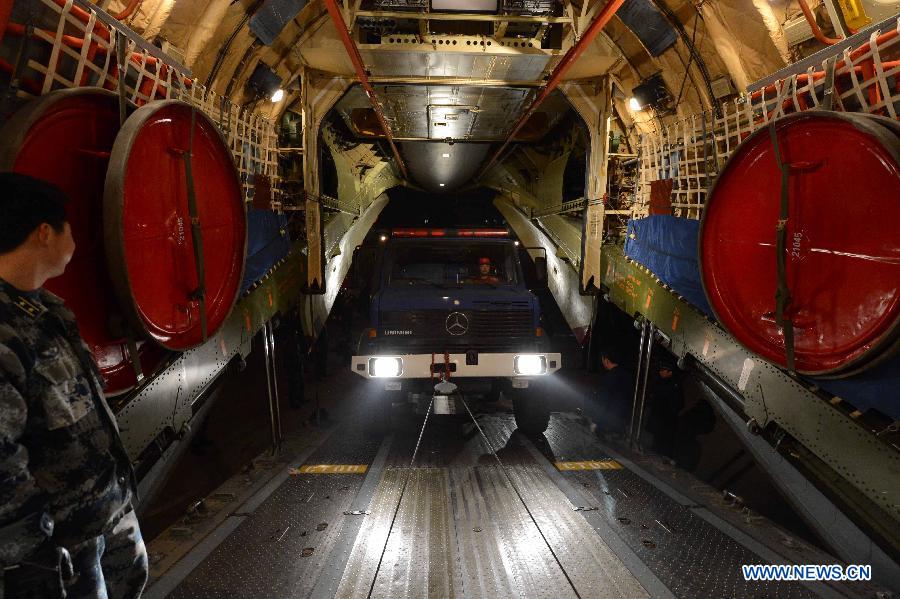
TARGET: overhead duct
(273,16)
(648,24)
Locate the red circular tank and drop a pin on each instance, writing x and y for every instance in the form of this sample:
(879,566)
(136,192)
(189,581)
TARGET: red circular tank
(842,250)
(65,138)
(150,245)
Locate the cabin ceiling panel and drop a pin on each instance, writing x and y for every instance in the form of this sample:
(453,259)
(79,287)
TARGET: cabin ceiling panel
(432,164)
(476,65)
(439,112)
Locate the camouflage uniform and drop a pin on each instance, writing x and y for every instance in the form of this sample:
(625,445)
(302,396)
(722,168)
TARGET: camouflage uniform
(65,478)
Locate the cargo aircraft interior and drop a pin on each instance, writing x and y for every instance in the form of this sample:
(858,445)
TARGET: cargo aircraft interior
(483,298)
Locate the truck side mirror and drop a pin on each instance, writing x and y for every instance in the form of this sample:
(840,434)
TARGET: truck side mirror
(361,267)
(537,272)
(540,271)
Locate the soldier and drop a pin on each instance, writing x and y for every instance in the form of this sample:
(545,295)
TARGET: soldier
(665,400)
(608,406)
(66,483)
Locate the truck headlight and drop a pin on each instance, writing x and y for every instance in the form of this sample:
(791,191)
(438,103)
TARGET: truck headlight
(530,365)
(385,367)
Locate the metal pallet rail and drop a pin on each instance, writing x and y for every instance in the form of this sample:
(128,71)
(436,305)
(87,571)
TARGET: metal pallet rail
(570,206)
(166,400)
(853,451)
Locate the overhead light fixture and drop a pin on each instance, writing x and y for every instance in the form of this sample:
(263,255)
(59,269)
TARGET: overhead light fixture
(441,184)
(445,155)
(277,95)
(652,92)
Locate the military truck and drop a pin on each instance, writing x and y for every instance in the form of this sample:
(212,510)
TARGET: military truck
(454,305)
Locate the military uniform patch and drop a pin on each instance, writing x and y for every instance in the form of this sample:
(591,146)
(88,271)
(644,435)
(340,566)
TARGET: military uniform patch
(30,308)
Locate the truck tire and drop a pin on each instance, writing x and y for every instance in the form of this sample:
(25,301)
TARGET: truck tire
(494,394)
(532,414)
(378,414)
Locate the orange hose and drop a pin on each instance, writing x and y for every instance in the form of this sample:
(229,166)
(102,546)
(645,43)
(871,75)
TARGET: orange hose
(69,40)
(811,19)
(128,10)
(816,75)
(30,85)
(84,16)
(5,11)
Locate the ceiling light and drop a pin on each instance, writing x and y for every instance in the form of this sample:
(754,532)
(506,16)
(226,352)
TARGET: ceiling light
(445,155)
(441,184)
(277,95)
(634,105)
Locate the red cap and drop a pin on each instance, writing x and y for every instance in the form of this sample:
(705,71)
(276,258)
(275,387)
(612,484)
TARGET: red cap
(484,261)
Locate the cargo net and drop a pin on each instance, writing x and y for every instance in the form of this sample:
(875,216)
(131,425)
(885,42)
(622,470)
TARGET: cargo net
(679,163)
(70,45)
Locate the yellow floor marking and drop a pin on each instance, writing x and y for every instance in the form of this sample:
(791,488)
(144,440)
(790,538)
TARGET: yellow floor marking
(589,465)
(329,469)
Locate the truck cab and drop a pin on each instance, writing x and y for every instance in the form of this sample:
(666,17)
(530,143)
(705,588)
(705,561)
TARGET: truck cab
(454,305)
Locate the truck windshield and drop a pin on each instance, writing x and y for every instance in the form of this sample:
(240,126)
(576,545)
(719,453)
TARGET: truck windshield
(451,263)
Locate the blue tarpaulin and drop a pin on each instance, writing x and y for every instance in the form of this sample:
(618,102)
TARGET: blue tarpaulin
(875,388)
(667,245)
(267,243)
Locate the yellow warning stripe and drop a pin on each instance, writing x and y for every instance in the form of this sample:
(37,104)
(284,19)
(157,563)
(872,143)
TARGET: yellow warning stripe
(329,469)
(589,465)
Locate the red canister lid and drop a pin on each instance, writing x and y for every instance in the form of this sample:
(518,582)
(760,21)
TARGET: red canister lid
(843,242)
(153,260)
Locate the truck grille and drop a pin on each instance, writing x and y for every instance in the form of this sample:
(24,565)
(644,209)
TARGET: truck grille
(484,325)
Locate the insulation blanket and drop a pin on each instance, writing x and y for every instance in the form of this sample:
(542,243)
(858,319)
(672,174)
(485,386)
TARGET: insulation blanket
(667,245)
(267,243)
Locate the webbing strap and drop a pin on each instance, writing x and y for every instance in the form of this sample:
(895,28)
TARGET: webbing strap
(782,293)
(121,63)
(828,87)
(15,82)
(196,232)
(134,355)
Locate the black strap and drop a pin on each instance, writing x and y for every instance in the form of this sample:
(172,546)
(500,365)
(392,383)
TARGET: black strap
(828,91)
(196,232)
(15,81)
(782,293)
(121,62)
(133,354)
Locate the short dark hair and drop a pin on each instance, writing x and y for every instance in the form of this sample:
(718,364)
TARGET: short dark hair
(615,351)
(25,203)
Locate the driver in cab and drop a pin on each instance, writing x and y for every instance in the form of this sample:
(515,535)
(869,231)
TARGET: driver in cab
(485,272)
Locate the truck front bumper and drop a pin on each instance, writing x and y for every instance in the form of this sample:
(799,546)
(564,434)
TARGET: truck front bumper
(487,365)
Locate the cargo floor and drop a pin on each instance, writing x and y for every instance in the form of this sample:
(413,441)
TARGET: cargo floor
(478,515)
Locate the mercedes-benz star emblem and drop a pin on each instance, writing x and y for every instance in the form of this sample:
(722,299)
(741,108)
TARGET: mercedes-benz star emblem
(457,323)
